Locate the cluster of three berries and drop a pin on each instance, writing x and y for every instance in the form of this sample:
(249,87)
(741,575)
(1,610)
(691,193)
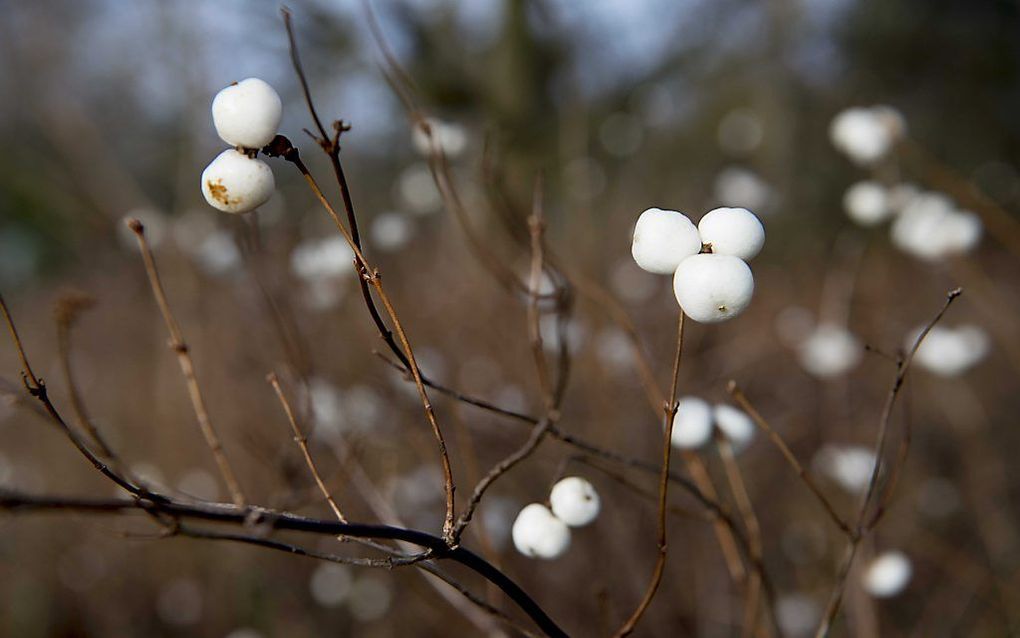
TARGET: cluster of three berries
(711,279)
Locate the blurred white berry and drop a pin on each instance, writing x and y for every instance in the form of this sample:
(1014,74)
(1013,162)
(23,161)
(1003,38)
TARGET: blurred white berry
(574,501)
(692,425)
(797,614)
(662,239)
(888,574)
(929,227)
(391,231)
(949,352)
(236,183)
(850,466)
(867,203)
(829,351)
(736,186)
(322,258)
(446,136)
(330,584)
(537,533)
(247,113)
(735,425)
(712,288)
(866,135)
(732,231)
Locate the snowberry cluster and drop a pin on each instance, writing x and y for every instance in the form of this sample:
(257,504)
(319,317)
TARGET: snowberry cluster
(711,280)
(926,225)
(867,134)
(695,421)
(541,532)
(246,115)
(949,352)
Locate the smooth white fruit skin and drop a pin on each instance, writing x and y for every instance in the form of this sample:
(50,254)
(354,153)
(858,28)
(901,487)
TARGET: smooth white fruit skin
(732,231)
(537,533)
(888,574)
(575,501)
(662,239)
(735,424)
(712,288)
(692,425)
(247,114)
(236,183)
(867,203)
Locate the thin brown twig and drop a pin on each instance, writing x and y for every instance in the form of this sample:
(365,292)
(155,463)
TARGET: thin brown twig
(751,525)
(67,310)
(187,365)
(302,442)
(860,529)
(371,275)
(802,472)
(550,395)
(669,414)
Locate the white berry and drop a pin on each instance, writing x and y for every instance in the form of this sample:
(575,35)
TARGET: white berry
(829,351)
(867,203)
(574,501)
(851,466)
(537,533)
(712,288)
(662,239)
(692,425)
(949,352)
(236,183)
(247,113)
(732,231)
(888,574)
(867,135)
(735,424)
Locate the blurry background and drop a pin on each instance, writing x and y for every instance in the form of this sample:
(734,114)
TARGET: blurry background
(620,105)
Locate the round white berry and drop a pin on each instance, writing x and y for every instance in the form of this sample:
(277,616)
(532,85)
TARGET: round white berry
(662,239)
(732,231)
(866,134)
(829,351)
(888,574)
(850,466)
(735,424)
(949,352)
(247,113)
(236,183)
(538,534)
(712,288)
(692,425)
(574,501)
(929,227)
(867,203)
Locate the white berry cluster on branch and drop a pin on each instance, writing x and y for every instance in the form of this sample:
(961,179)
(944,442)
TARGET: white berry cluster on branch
(544,532)
(246,115)
(925,224)
(711,279)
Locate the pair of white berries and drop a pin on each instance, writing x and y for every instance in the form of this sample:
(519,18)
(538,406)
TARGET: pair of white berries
(712,286)
(539,532)
(695,419)
(867,134)
(246,115)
